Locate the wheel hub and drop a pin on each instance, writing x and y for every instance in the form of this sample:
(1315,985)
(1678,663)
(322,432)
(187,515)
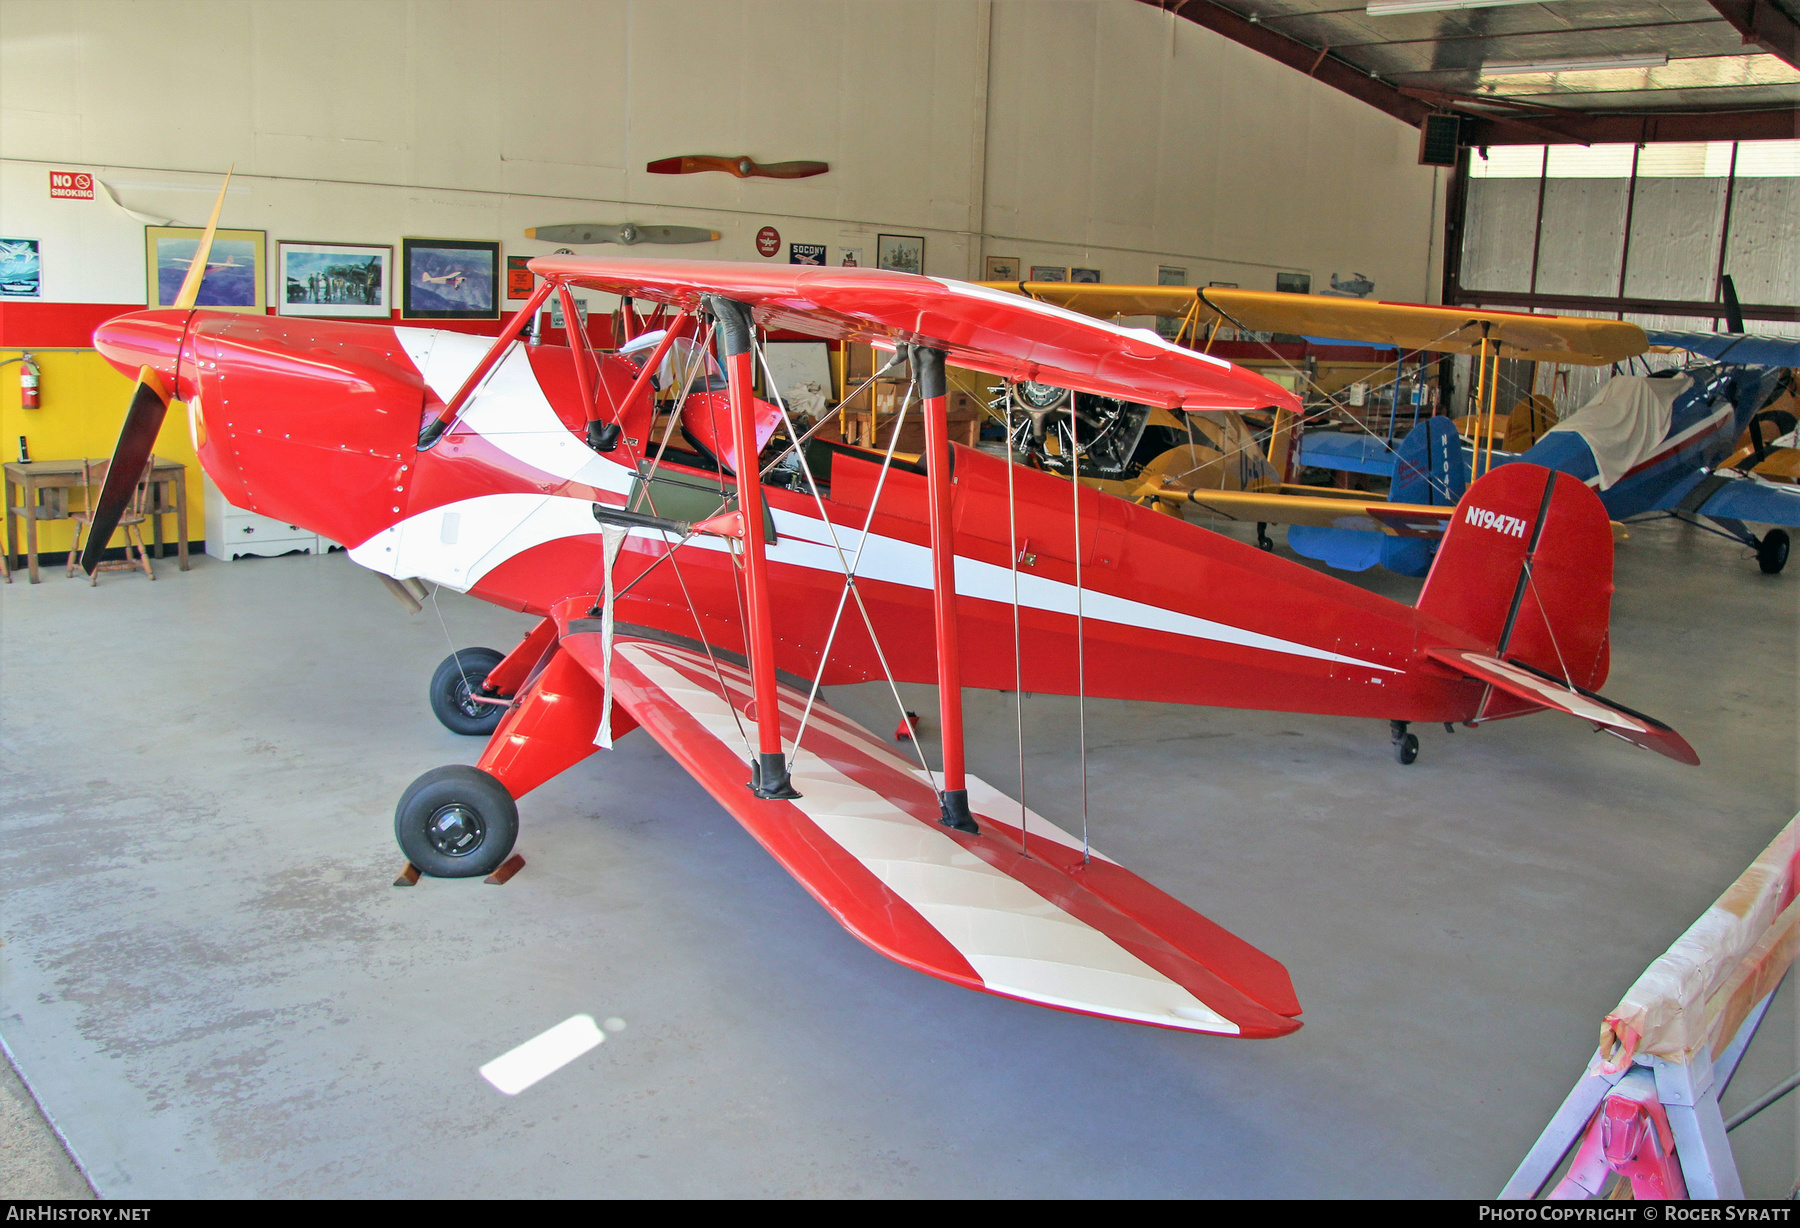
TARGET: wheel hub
(466,701)
(455,830)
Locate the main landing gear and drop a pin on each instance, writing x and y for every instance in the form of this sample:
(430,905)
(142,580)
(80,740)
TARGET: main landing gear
(1772,551)
(456,822)
(458,690)
(1406,745)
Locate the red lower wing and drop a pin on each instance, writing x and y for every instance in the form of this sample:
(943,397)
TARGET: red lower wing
(1019,913)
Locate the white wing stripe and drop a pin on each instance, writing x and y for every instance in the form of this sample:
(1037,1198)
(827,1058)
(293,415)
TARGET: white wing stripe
(1019,943)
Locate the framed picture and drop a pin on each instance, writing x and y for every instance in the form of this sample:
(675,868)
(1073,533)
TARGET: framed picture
(1223,285)
(1168,275)
(806,253)
(20,273)
(850,257)
(1293,283)
(1000,268)
(333,279)
(1091,276)
(1049,272)
(901,253)
(450,279)
(234,279)
(520,280)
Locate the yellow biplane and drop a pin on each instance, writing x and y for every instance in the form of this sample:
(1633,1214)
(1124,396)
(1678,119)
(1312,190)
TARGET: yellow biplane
(1427,484)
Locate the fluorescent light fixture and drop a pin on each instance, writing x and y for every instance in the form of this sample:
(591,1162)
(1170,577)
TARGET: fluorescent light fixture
(1658,59)
(1394,8)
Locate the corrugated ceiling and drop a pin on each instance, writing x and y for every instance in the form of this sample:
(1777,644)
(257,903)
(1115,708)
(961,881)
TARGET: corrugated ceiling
(1709,65)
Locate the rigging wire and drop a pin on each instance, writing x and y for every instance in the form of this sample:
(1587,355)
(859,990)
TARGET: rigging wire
(1012,539)
(824,418)
(849,566)
(644,493)
(1331,401)
(1080,646)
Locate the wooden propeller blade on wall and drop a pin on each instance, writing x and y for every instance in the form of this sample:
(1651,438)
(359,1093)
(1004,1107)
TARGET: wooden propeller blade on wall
(742,167)
(628,233)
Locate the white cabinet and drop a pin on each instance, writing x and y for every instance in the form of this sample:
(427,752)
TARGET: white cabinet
(232,532)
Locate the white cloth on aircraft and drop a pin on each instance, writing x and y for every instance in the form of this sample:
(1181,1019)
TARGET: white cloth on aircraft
(1626,422)
(612,538)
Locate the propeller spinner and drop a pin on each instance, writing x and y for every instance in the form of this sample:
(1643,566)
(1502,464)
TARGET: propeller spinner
(149,405)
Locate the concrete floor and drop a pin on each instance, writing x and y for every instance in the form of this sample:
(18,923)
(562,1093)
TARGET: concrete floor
(208,981)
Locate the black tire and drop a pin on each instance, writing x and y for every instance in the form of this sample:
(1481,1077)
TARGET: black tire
(1407,748)
(456,822)
(1772,552)
(459,677)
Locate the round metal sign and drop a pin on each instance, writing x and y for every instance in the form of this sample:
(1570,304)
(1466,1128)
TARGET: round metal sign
(768,241)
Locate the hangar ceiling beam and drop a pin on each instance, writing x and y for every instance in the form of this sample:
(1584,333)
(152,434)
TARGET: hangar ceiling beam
(1546,125)
(1641,127)
(1764,25)
(1315,62)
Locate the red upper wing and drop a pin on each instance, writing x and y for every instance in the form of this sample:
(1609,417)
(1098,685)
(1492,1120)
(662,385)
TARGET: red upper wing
(985,330)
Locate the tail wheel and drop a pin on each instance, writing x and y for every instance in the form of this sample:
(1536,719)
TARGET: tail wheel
(1772,551)
(456,822)
(1406,747)
(455,686)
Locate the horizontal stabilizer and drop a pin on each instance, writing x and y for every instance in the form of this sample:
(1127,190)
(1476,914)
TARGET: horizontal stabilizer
(1534,686)
(1017,913)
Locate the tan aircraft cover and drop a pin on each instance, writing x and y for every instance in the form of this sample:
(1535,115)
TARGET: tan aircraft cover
(1411,326)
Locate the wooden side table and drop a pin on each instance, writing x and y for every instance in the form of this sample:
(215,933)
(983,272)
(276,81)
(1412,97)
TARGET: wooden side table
(39,490)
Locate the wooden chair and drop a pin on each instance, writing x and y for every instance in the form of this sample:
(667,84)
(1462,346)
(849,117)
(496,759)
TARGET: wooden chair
(93,478)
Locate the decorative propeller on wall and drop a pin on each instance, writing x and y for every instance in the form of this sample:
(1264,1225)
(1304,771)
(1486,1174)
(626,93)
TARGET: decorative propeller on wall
(627,233)
(742,167)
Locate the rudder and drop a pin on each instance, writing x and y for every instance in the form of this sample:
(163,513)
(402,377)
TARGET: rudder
(1553,614)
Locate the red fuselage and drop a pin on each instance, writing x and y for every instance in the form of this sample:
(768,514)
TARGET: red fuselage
(317,422)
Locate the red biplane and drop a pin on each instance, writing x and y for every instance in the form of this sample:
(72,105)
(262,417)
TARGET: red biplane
(705,588)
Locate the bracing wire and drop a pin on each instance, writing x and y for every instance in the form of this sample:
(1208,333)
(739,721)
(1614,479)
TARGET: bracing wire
(1544,611)
(849,565)
(1080,645)
(1331,401)
(648,497)
(1012,539)
(803,440)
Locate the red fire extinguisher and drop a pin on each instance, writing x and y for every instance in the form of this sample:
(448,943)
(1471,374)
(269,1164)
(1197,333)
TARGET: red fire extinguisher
(28,383)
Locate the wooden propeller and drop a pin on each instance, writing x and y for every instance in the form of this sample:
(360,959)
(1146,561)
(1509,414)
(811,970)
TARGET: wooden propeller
(742,167)
(149,405)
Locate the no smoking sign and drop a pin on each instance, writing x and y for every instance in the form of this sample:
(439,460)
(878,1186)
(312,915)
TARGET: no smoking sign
(71,185)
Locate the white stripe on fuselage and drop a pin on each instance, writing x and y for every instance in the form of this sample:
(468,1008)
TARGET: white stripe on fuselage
(458,543)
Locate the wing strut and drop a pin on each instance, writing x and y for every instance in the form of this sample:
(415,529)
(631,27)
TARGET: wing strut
(928,367)
(769,775)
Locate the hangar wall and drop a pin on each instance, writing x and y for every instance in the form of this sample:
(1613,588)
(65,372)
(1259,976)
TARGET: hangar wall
(1100,131)
(1091,133)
